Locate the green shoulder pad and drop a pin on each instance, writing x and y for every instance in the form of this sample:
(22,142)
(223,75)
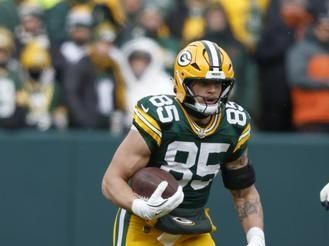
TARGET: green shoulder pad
(151,114)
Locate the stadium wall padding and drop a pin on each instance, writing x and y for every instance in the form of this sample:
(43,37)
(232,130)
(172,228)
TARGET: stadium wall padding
(50,190)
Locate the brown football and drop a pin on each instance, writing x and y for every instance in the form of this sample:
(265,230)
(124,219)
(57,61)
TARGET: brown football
(146,180)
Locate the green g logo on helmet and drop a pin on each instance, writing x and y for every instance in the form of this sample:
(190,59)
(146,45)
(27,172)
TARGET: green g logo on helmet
(184,58)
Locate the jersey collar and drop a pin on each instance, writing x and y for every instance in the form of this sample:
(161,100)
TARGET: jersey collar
(203,132)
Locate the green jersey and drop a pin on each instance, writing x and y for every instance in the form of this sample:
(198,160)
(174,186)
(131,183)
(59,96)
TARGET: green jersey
(192,154)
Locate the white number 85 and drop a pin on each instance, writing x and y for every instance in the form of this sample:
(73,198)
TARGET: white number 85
(166,111)
(235,114)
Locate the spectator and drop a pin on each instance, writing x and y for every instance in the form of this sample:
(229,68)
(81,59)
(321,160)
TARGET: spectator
(186,22)
(246,19)
(79,26)
(43,96)
(132,9)
(308,70)
(276,39)
(175,19)
(296,14)
(151,24)
(94,85)
(12,99)
(108,11)
(144,62)
(107,60)
(31,28)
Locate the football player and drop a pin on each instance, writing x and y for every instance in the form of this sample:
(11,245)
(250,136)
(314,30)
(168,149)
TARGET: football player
(324,196)
(194,135)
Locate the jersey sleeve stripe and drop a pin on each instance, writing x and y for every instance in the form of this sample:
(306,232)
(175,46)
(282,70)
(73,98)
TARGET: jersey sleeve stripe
(148,118)
(245,132)
(148,127)
(245,136)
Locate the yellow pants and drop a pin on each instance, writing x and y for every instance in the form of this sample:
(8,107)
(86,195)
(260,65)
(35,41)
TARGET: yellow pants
(130,230)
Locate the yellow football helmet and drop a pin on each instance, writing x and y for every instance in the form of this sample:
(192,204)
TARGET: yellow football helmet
(34,56)
(6,40)
(202,60)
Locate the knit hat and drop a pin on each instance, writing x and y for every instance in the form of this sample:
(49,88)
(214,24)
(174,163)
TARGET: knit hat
(79,16)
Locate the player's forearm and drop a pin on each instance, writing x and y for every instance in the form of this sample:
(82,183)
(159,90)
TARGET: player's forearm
(249,208)
(117,190)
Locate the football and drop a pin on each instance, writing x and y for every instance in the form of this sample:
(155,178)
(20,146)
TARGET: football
(146,180)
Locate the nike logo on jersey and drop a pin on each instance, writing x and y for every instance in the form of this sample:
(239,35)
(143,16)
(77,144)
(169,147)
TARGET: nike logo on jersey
(145,109)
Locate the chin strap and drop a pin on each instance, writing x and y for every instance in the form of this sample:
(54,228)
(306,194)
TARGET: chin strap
(193,112)
(201,110)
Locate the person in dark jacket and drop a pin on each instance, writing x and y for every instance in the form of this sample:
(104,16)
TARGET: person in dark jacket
(94,86)
(80,92)
(278,35)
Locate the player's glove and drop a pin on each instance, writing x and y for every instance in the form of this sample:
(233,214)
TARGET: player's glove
(156,206)
(255,237)
(324,196)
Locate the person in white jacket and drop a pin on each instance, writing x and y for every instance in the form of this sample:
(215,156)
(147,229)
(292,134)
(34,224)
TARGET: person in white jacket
(144,71)
(324,196)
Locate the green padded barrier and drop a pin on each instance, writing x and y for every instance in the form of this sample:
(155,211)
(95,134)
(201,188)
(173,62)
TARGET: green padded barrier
(50,190)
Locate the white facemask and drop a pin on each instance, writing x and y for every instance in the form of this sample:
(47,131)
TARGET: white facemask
(203,108)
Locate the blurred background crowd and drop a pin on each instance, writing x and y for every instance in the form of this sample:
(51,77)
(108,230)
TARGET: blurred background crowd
(83,64)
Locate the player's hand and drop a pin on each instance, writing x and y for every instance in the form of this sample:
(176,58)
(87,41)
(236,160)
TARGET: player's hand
(156,206)
(324,196)
(255,237)
(256,241)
